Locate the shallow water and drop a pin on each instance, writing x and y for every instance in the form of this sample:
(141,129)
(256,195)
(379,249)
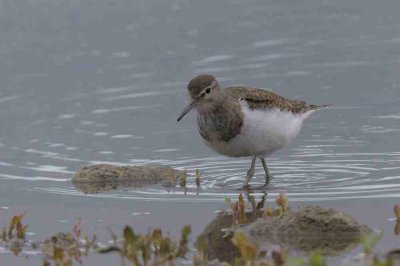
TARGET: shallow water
(104,81)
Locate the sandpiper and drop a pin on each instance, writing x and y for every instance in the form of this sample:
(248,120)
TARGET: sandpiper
(243,121)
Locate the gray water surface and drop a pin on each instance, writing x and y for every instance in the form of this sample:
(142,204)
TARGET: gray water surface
(84,82)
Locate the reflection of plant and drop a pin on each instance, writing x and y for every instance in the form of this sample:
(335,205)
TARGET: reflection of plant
(254,205)
(150,249)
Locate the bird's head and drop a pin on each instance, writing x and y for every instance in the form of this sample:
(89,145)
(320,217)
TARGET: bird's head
(203,90)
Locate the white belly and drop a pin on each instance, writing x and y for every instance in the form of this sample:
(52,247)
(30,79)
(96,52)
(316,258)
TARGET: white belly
(263,132)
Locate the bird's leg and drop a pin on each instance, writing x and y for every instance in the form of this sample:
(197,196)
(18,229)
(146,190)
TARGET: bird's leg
(250,173)
(268,176)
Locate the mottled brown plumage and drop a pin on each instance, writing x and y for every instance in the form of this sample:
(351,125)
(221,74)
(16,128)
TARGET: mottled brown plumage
(242,121)
(255,97)
(262,99)
(220,122)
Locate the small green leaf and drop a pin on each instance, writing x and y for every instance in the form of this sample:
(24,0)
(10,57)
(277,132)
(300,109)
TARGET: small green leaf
(186,230)
(198,175)
(317,260)
(228,201)
(370,240)
(129,235)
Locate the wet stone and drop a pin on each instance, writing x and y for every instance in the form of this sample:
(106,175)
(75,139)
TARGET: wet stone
(104,177)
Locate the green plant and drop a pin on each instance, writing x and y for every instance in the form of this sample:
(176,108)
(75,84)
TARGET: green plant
(63,249)
(397,211)
(248,251)
(150,249)
(198,175)
(182,179)
(15,228)
(282,202)
(397,225)
(317,259)
(238,210)
(369,241)
(199,258)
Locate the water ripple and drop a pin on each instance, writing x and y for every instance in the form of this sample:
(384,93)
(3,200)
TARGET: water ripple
(325,177)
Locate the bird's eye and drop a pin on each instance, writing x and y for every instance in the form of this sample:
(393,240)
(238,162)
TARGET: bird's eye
(208,90)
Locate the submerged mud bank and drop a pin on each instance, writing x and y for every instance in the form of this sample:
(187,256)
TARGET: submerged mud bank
(104,177)
(308,229)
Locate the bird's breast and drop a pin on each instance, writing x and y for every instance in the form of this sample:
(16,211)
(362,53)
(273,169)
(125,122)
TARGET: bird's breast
(220,124)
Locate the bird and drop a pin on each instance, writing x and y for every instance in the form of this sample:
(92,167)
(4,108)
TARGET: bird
(241,121)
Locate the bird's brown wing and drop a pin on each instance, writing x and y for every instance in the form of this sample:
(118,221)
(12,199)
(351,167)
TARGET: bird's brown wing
(262,99)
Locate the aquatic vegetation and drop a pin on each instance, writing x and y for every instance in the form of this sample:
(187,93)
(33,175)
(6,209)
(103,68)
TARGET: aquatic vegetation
(15,228)
(397,228)
(198,175)
(182,179)
(283,206)
(397,225)
(251,255)
(238,209)
(199,258)
(317,259)
(282,202)
(397,211)
(268,212)
(369,241)
(236,229)
(14,233)
(149,249)
(249,252)
(63,249)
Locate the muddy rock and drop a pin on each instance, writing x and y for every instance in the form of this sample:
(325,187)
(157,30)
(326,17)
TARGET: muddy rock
(103,177)
(308,229)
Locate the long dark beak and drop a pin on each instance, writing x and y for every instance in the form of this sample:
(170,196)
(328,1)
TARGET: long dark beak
(186,110)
